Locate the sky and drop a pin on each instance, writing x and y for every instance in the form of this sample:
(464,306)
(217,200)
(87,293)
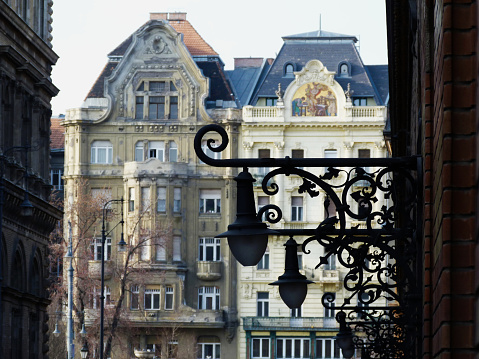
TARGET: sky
(84,32)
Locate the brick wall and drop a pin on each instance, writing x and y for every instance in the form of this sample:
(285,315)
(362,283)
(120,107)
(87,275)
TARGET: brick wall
(449,152)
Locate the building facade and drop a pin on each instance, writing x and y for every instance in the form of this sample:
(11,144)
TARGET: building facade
(316,100)
(133,139)
(26,60)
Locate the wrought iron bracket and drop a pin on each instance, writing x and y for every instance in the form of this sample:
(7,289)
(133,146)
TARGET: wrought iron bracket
(382,257)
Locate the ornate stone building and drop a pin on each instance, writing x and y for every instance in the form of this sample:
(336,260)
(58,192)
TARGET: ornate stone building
(133,138)
(26,60)
(317,100)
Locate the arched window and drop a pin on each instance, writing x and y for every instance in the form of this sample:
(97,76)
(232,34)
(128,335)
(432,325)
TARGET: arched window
(35,278)
(344,69)
(18,272)
(288,70)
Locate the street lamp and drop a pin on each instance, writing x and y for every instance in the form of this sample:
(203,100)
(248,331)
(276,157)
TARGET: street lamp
(84,351)
(26,210)
(382,257)
(121,248)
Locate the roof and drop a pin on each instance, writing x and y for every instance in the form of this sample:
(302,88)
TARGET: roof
(195,44)
(330,53)
(318,34)
(380,77)
(220,88)
(245,80)
(57,133)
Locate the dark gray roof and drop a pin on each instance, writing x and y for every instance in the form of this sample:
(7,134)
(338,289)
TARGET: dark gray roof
(331,54)
(380,78)
(320,34)
(246,79)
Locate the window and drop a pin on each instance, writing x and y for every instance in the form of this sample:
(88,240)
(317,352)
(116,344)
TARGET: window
(208,152)
(330,208)
(172,349)
(360,101)
(295,312)
(131,199)
(271,101)
(209,298)
(327,348)
(365,153)
(134,297)
(56,178)
(210,249)
(210,201)
(262,304)
(161,199)
(173,107)
(101,152)
(173,152)
(209,351)
(177,200)
(156,107)
(293,348)
(297,154)
(176,249)
(145,249)
(263,201)
(329,312)
(260,348)
(94,300)
(264,261)
(288,70)
(145,199)
(331,265)
(300,259)
(330,153)
(157,86)
(96,249)
(140,151)
(140,101)
(169,297)
(296,208)
(152,299)
(344,70)
(156,149)
(161,250)
(263,153)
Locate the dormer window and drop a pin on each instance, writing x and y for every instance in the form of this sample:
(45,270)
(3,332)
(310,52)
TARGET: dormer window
(156,100)
(288,70)
(344,69)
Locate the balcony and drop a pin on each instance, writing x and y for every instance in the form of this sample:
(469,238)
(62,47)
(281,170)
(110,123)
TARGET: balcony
(208,270)
(287,323)
(94,269)
(329,276)
(351,113)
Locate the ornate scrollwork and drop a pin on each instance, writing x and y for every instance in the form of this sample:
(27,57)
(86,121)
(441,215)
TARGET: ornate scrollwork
(372,235)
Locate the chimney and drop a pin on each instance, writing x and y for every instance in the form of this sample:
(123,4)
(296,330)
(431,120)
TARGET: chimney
(177,16)
(245,62)
(167,15)
(158,16)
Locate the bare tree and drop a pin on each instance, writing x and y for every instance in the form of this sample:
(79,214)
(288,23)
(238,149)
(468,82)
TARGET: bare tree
(85,212)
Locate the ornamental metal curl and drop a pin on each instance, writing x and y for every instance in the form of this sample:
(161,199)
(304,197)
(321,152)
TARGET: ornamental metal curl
(373,234)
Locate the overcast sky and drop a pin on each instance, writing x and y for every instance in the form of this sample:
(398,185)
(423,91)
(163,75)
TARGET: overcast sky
(84,32)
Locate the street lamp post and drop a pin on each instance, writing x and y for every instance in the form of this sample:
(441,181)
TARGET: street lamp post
(382,257)
(121,248)
(27,210)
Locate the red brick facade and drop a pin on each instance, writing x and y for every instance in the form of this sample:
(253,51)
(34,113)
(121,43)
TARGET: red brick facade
(440,122)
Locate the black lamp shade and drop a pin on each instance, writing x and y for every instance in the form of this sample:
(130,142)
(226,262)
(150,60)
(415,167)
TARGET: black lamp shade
(344,338)
(247,236)
(293,286)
